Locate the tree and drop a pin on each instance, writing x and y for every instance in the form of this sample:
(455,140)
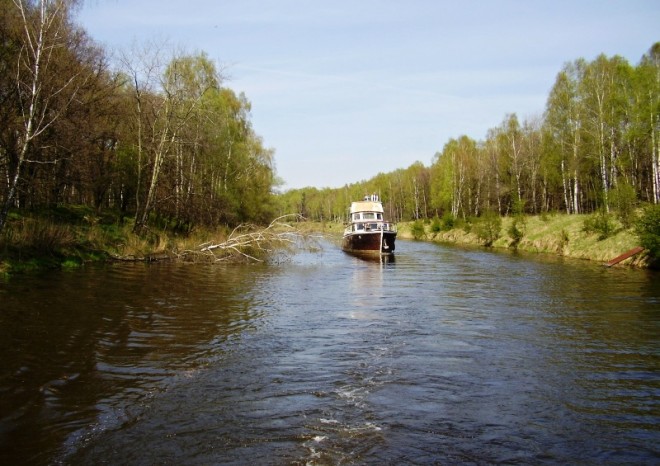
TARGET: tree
(648,230)
(564,120)
(648,112)
(167,97)
(42,102)
(452,174)
(604,87)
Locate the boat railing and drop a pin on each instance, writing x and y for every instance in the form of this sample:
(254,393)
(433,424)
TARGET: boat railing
(371,226)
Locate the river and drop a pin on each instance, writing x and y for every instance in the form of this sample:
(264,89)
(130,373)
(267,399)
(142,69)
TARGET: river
(441,356)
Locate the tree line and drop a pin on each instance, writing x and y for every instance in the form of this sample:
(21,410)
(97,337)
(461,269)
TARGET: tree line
(595,148)
(158,138)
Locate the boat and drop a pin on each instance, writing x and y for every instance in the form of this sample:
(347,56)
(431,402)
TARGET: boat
(367,231)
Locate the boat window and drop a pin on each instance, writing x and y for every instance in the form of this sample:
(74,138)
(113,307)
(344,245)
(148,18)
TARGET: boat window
(356,216)
(379,216)
(369,216)
(373,226)
(359,226)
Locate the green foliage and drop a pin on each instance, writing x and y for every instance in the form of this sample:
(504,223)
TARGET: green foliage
(518,208)
(601,223)
(436,225)
(648,230)
(417,229)
(448,221)
(519,223)
(184,152)
(517,230)
(71,263)
(488,227)
(624,200)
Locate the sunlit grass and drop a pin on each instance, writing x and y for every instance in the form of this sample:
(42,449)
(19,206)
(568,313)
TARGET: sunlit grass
(559,234)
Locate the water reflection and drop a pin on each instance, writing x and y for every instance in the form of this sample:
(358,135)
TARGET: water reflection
(444,356)
(367,284)
(85,348)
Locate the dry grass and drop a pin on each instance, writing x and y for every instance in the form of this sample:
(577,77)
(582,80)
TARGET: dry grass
(34,242)
(39,236)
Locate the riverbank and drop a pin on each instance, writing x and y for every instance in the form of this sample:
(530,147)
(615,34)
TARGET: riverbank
(71,236)
(67,237)
(557,234)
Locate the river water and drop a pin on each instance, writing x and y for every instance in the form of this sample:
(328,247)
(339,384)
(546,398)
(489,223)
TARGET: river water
(441,356)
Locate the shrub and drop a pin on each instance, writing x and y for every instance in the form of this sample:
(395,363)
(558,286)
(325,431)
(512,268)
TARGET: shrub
(600,223)
(624,200)
(518,207)
(436,226)
(417,229)
(448,221)
(518,225)
(648,230)
(467,224)
(488,228)
(517,230)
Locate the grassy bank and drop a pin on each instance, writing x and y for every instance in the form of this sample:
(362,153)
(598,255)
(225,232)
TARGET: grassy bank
(70,236)
(557,234)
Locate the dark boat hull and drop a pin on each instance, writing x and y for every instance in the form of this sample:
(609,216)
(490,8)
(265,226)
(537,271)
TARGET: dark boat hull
(369,242)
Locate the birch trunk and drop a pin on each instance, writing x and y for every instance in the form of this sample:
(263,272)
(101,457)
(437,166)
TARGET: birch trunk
(34,59)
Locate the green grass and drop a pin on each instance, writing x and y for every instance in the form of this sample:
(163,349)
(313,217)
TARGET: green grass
(558,234)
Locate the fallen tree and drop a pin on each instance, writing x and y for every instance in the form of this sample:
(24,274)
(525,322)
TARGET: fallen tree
(251,243)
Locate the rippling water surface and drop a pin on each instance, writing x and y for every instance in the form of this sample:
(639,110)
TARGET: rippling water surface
(442,356)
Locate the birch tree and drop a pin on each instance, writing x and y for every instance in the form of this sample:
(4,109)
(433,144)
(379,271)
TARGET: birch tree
(648,111)
(44,24)
(165,96)
(564,119)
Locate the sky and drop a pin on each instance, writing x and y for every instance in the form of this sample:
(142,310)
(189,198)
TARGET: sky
(345,89)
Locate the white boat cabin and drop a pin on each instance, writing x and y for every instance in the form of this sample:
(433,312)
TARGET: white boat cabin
(367,215)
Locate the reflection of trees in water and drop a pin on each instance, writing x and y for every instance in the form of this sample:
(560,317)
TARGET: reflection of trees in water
(75,345)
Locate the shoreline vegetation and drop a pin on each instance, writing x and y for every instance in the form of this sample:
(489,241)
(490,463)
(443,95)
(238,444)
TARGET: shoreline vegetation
(68,237)
(556,234)
(153,155)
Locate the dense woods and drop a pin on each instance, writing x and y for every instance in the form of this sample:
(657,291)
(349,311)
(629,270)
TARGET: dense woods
(161,138)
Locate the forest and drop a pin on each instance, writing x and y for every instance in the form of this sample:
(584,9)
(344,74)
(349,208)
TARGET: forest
(596,147)
(159,138)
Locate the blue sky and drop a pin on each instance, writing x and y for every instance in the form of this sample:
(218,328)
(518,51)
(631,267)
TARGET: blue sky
(343,90)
